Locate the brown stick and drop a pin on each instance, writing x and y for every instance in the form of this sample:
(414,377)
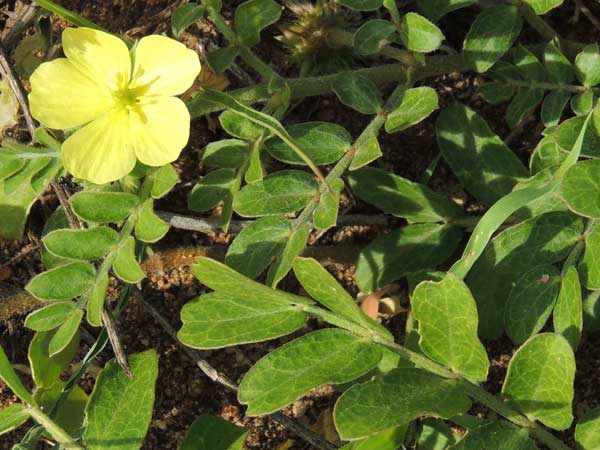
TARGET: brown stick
(20,24)
(212,373)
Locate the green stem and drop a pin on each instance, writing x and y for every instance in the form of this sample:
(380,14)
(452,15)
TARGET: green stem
(57,433)
(313,86)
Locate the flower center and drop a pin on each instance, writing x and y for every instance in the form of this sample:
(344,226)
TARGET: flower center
(127,98)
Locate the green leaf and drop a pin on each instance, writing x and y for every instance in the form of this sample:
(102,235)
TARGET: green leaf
(402,198)
(358,92)
(165,179)
(530,303)
(390,439)
(323,143)
(240,127)
(591,311)
(540,240)
(568,131)
(218,320)
(581,187)
(252,16)
(10,378)
(559,68)
(258,245)
(324,288)
(587,431)
(362,5)
(126,265)
(328,356)
(587,65)
(409,249)
(497,435)
(547,155)
(184,16)
(485,166)
(66,333)
(64,282)
(497,92)
(491,35)
(282,192)
(211,189)
(372,36)
(50,316)
(582,104)
(553,107)
(448,321)
(95,303)
(490,290)
(568,312)
(120,408)
(57,220)
(539,382)
(294,246)
(326,212)
(523,103)
(414,105)
(435,435)
(103,207)
(541,7)
(19,191)
(149,227)
(436,9)
(12,416)
(214,433)
(228,153)
(46,369)
(221,59)
(397,398)
(93,243)
(225,280)
(528,66)
(419,34)
(589,267)
(366,152)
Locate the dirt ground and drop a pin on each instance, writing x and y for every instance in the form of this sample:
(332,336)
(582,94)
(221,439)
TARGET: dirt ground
(183,392)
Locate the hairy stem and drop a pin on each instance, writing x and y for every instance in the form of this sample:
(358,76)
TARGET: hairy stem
(313,86)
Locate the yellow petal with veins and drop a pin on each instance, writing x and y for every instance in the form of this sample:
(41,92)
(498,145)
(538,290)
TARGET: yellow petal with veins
(61,97)
(101,56)
(163,66)
(101,151)
(160,128)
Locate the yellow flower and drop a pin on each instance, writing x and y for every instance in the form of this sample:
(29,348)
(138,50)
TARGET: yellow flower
(126,112)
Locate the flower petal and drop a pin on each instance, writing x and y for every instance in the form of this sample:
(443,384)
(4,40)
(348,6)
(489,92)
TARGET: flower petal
(62,97)
(101,151)
(163,66)
(160,129)
(99,55)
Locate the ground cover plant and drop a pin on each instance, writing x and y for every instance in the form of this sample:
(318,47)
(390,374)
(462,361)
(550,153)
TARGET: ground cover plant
(104,125)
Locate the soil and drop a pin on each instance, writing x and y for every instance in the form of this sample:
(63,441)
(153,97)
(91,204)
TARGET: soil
(183,392)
